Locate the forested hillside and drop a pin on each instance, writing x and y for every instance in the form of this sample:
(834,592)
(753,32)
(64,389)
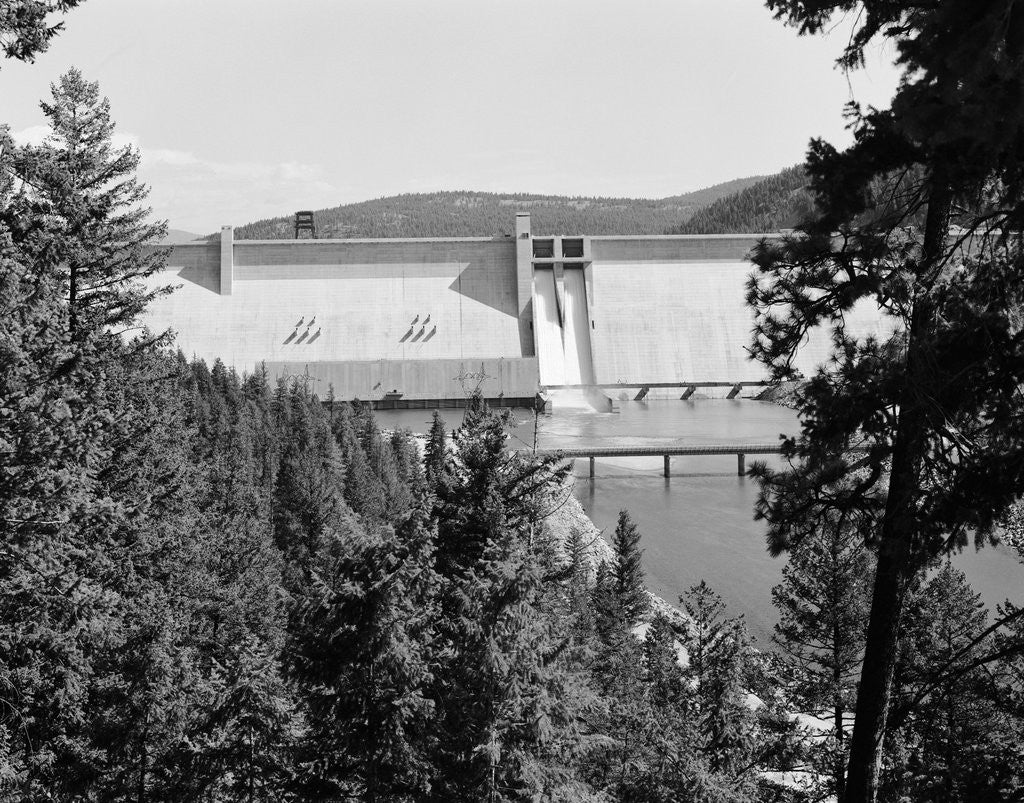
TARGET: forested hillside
(775,202)
(482,214)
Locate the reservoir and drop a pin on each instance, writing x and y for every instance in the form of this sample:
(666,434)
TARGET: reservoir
(697,524)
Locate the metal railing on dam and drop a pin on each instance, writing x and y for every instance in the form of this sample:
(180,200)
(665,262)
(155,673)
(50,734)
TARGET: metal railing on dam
(741,450)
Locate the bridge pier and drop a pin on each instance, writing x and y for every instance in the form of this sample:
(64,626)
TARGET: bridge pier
(591,468)
(740,464)
(643,393)
(690,390)
(668,473)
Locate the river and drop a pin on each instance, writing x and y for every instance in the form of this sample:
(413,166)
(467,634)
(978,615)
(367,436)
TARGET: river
(698,524)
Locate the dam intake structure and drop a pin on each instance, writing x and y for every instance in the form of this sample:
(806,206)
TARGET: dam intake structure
(573,321)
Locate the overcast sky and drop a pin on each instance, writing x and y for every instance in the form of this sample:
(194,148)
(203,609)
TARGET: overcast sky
(246,109)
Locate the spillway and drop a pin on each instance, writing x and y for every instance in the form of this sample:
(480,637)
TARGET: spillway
(579,359)
(563,340)
(550,347)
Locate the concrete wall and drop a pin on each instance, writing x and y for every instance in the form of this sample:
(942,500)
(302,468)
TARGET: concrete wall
(343,300)
(372,316)
(417,379)
(667,309)
(673,248)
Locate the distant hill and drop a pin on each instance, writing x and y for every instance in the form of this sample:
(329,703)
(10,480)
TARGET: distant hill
(177,237)
(775,202)
(482,214)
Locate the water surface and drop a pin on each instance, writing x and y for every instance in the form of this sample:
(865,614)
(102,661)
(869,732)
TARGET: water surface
(698,524)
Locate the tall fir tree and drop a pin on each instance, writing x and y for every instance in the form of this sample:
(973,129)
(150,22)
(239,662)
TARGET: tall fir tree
(96,231)
(495,709)
(361,650)
(629,570)
(435,460)
(718,652)
(822,603)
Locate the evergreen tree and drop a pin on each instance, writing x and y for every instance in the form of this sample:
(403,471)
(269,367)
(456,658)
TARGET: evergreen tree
(718,654)
(360,651)
(629,571)
(953,739)
(241,747)
(823,603)
(95,232)
(919,216)
(25,29)
(364,492)
(46,597)
(435,459)
(93,630)
(493,690)
(308,497)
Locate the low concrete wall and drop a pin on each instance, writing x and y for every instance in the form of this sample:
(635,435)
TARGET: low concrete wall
(416,379)
(674,248)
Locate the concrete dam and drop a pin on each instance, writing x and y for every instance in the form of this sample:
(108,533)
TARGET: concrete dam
(422,322)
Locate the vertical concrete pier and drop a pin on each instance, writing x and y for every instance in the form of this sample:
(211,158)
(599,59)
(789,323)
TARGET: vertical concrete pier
(227,259)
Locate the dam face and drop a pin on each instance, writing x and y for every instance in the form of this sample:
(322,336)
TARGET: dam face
(421,322)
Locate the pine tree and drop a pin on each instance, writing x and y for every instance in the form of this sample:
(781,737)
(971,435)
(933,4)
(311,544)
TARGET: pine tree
(629,570)
(435,458)
(25,29)
(360,650)
(308,496)
(953,739)
(94,232)
(364,491)
(920,217)
(47,420)
(496,708)
(718,655)
(823,603)
(97,595)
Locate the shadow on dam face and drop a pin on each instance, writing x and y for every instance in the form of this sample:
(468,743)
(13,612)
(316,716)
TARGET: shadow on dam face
(479,282)
(206,278)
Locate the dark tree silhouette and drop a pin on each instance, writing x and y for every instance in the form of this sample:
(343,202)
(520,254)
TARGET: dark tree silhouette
(921,217)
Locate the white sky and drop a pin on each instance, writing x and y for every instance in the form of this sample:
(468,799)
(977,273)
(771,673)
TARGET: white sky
(246,109)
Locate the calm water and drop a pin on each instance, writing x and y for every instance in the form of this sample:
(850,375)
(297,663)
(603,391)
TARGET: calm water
(698,523)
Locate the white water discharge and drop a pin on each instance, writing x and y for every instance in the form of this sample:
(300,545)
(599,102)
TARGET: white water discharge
(579,359)
(563,342)
(550,349)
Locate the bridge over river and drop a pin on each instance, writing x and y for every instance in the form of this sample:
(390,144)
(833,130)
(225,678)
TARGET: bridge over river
(667,452)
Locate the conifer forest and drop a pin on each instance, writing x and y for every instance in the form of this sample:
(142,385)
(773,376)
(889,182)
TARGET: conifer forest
(219,587)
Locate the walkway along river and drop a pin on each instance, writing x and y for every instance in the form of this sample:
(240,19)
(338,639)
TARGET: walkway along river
(698,523)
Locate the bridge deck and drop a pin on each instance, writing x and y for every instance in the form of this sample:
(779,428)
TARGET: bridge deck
(668,449)
(741,450)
